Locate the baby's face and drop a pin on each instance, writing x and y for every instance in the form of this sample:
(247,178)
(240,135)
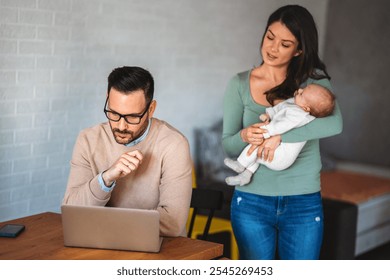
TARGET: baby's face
(300,97)
(304,97)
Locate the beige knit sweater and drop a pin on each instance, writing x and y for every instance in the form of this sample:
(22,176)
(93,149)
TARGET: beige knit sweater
(162,182)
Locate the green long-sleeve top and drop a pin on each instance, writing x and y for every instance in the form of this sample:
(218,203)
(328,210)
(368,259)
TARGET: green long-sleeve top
(303,177)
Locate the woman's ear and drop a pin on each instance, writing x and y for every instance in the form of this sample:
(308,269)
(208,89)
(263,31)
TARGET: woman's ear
(298,53)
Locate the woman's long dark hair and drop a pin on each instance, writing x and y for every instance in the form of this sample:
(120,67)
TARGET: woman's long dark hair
(306,65)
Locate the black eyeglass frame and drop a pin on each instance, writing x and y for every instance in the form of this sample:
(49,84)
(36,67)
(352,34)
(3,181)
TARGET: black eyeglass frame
(139,116)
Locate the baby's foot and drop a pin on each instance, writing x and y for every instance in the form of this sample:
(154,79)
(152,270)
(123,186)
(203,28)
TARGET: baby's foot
(241,179)
(234,165)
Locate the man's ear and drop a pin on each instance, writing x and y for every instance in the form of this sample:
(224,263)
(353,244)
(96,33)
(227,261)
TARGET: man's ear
(152,108)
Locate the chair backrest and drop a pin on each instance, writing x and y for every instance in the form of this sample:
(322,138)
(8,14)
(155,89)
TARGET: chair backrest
(206,199)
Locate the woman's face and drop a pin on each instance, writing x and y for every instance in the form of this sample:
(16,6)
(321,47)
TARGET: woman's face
(279,45)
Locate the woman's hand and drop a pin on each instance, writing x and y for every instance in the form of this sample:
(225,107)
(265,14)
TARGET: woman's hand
(267,149)
(253,134)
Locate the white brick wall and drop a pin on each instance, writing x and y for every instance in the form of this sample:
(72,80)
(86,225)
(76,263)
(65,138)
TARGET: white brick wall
(55,56)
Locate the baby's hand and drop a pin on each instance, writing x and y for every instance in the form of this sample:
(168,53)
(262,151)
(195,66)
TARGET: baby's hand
(264,118)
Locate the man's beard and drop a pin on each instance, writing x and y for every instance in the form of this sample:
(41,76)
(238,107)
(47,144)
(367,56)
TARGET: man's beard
(128,136)
(125,133)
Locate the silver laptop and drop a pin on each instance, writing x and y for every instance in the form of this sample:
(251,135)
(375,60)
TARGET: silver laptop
(111,228)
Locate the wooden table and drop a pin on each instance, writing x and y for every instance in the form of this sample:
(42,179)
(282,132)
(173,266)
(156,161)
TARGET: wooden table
(43,240)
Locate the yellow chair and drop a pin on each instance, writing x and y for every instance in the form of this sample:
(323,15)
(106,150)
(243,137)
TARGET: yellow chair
(217,225)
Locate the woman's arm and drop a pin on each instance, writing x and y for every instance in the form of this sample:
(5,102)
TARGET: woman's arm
(234,136)
(233,110)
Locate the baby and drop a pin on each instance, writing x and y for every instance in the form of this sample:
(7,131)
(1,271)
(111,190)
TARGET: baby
(313,101)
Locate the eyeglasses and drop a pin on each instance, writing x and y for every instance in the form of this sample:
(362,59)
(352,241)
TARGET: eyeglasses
(130,118)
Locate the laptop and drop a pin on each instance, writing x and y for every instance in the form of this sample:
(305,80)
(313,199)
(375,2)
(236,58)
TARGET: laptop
(111,228)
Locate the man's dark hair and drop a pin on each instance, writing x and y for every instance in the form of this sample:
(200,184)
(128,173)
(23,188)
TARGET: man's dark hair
(127,79)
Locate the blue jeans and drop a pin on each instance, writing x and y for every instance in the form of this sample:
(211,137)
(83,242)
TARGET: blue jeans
(292,225)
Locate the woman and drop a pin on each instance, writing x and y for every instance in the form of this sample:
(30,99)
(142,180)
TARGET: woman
(279,210)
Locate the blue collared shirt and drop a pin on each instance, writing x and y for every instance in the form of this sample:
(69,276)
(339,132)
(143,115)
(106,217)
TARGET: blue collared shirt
(131,144)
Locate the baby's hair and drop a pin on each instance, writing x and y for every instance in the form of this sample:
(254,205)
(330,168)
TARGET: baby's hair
(324,102)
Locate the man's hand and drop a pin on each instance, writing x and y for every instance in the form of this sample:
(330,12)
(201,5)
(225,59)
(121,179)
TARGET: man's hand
(127,163)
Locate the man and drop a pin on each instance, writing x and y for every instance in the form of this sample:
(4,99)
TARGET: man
(134,160)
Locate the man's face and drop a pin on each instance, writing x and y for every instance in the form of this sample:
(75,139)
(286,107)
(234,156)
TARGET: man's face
(133,104)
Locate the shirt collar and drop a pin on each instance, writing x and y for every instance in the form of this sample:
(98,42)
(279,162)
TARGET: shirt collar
(142,137)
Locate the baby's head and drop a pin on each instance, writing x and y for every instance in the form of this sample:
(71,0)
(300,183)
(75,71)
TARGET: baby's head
(315,99)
